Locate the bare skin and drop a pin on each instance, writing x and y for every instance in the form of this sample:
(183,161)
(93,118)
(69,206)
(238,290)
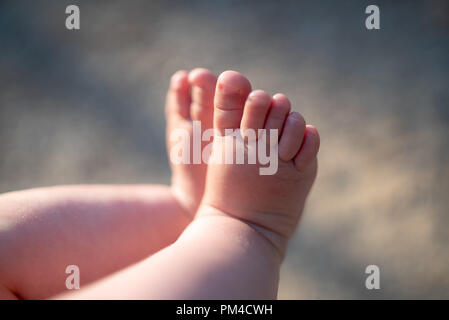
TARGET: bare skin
(102,229)
(234,247)
(273,203)
(190,97)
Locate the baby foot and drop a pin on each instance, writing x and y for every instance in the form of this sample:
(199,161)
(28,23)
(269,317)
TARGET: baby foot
(272,204)
(190,97)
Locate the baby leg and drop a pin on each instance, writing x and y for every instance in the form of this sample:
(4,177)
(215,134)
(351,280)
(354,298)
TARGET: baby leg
(100,229)
(217,257)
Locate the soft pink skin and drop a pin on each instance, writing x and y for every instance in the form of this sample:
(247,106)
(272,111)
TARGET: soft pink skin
(101,229)
(215,258)
(190,97)
(272,202)
(234,247)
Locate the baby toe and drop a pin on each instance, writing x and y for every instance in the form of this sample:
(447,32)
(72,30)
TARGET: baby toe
(203,84)
(230,96)
(178,96)
(255,111)
(309,148)
(280,108)
(292,136)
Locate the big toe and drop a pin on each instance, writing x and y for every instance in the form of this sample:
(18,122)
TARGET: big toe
(203,84)
(230,96)
(178,96)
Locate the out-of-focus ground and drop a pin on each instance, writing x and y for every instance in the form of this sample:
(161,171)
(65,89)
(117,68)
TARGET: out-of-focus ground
(87,107)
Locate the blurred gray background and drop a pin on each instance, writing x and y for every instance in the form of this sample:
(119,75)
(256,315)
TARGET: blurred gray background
(87,107)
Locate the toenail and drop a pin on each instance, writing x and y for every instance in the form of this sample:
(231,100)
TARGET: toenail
(260,95)
(176,81)
(296,117)
(280,95)
(253,95)
(312,131)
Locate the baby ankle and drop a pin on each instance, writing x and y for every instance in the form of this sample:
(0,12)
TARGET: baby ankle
(274,240)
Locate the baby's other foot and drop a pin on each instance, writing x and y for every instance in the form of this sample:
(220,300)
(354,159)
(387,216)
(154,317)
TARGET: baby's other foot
(190,97)
(272,204)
